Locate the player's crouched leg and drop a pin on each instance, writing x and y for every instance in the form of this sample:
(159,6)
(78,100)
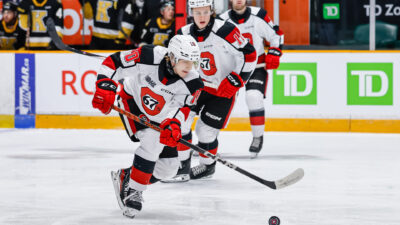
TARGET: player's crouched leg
(167,165)
(184,156)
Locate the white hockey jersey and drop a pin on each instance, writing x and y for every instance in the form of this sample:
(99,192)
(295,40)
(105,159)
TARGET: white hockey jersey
(223,50)
(256,26)
(147,78)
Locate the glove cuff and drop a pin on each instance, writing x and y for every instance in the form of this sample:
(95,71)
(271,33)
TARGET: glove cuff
(175,121)
(107,84)
(235,79)
(275,51)
(169,121)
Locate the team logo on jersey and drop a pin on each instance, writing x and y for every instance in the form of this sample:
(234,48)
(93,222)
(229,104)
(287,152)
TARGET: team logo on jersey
(207,63)
(152,103)
(144,117)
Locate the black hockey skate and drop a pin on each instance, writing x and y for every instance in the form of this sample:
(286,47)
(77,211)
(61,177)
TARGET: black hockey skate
(133,203)
(120,181)
(182,174)
(256,146)
(202,171)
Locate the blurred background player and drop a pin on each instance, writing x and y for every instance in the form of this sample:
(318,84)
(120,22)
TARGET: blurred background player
(107,23)
(151,9)
(159,30)
(160,85)
(11,35)
(227,61)
(256,26)
(33,15)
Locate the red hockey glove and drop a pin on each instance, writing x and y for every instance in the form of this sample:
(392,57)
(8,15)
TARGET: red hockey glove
(230,85)
(104,96)
(272,58)
(171,132)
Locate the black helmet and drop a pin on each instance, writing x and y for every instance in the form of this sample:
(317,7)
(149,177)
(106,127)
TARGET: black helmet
(165,3)
(10,6)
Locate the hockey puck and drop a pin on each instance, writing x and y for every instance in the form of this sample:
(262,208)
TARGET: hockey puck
(274,220)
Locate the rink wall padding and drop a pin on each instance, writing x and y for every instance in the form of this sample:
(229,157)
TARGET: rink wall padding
(235,124)
(327,91)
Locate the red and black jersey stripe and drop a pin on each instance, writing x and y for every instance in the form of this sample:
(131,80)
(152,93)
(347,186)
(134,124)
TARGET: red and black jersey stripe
(229,32)
(263,15)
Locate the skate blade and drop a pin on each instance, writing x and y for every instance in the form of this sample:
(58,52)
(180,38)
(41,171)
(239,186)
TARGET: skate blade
(177,179)
(203,178)
(129,212)
(116,184)
(253,155)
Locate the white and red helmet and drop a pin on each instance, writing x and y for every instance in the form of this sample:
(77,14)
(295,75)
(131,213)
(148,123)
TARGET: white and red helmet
(200,3)
(184,47)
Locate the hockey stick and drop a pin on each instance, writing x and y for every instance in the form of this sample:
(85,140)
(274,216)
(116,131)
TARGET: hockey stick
(120,18)
(51,29)
(278,184)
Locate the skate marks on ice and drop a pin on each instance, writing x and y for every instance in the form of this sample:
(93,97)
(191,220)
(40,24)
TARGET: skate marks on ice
(265,156)
(351,179)
(69,153)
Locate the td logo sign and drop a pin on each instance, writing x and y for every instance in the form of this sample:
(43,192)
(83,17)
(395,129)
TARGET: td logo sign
(370,83)
(331,11)
(295,83)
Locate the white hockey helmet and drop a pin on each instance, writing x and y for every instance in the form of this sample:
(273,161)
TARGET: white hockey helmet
(184,47)
(200,3)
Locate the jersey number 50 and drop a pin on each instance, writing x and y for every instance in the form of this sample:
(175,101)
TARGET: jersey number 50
(207,63)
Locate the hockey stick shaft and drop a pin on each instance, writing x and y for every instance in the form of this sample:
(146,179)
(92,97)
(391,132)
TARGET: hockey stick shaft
(51,29)
(120,19)
(288,180)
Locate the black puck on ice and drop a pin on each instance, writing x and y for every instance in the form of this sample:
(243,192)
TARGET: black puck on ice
(274,220)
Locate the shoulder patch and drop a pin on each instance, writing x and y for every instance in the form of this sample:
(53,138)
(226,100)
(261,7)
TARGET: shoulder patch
(262,14)
(225,29)
(230,33)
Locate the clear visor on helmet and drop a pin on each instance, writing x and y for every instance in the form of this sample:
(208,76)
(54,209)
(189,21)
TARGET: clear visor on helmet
(193,64)
(202,12)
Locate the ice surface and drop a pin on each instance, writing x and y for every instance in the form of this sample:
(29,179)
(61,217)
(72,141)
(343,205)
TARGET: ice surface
(62,177)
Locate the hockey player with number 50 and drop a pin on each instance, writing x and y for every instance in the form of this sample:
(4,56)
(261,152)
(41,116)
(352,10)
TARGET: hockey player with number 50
(256,26)
(158,85)
(227,61)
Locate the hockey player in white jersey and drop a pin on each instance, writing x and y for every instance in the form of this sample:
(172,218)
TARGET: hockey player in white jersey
(159,85)
(256,26)
(227,60)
